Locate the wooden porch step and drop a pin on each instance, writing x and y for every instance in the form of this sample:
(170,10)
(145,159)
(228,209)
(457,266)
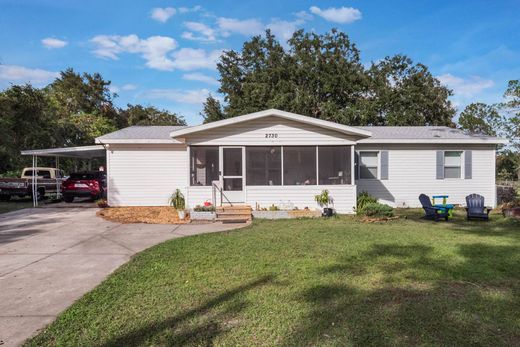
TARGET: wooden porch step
(234,214)
(244,208)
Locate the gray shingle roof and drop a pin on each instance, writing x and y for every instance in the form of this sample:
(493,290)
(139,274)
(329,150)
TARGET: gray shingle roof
(419,132)
(378,132)
(149,132)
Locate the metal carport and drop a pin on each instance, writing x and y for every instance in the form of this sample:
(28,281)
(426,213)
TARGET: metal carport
(82,152)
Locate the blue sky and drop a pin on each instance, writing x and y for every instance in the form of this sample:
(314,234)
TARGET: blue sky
(163,52)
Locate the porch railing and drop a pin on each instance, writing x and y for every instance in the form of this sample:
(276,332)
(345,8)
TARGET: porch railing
(218,189)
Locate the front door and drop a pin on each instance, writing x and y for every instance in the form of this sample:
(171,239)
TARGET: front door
(232,178)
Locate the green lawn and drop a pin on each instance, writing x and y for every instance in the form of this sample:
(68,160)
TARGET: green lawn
(336,282)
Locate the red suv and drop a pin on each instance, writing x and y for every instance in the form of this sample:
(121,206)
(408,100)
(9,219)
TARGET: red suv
(84,184)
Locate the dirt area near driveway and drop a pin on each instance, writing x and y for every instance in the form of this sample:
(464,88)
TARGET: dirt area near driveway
(142,214)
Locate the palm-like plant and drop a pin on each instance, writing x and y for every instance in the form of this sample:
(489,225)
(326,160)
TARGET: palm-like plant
(177,200)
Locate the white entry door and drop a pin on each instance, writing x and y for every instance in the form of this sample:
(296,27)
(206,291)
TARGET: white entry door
(232,176)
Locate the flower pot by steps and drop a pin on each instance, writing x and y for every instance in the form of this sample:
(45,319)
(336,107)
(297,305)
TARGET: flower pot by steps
(328,212)
(182,214)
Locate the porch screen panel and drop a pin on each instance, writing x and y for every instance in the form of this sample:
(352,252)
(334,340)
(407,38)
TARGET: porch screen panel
(299,166)
(203,165)
(334,165)
(263,166)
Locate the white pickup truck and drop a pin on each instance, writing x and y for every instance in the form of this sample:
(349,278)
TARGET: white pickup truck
(48,181)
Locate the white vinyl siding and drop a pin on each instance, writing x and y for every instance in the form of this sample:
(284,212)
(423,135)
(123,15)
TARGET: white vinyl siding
(145,175)
(302,196)
(412,171)
(269,131)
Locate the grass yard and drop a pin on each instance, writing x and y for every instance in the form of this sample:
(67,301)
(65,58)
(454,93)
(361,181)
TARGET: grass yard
(336,282)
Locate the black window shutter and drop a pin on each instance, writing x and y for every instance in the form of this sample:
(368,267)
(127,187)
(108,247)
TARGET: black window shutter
(440,165)
(384,165)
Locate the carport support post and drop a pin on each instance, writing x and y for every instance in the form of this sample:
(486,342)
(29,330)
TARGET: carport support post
(34,181)
(58,181)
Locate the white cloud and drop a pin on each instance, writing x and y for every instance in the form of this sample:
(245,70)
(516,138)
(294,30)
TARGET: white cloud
(182,96)
(283,29)
(162,14)
(128,86)
(153,49)
(303,15)
(192,59)
(468,88)
(125,87)
(206,33)
(342,15)
(199,77)
(17,74)
(50,42)
(189,9)
(247,27)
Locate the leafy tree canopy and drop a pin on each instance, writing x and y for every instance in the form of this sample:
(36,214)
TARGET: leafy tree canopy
(150,115)
(322,76)
(71,111)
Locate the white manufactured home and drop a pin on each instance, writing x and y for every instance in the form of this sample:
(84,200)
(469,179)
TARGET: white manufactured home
(276,157)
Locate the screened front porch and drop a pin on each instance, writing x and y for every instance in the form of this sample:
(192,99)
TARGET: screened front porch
(265,175)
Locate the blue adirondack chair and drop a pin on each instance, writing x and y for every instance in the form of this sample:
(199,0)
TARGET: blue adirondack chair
(475,207)
(432,212)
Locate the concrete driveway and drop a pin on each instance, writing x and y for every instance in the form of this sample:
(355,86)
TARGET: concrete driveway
(51,257)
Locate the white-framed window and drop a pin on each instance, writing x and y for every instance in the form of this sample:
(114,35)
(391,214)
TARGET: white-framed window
(452,164)
(368,164)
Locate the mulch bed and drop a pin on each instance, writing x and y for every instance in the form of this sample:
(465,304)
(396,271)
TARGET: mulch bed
(142,214)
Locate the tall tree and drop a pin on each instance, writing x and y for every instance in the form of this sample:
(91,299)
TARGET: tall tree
(212,110)
(150,115)
(322,76)
(404,93)
(480,118)
(511,106)
(26,121)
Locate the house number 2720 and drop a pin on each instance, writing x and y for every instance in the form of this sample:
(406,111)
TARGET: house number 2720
(271,136)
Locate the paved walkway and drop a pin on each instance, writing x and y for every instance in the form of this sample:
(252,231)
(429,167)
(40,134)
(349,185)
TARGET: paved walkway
(50,257)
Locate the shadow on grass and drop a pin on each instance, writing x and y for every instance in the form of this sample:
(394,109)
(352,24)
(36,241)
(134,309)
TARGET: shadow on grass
(496,226)
(422,298)
(181,328)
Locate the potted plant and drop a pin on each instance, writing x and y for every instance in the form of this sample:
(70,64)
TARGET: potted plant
(178,202)
(324,200)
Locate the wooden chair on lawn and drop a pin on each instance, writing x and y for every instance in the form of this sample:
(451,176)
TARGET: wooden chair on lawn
(432,212)
(475,207)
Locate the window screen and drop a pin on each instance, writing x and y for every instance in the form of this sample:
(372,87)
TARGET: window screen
(334,164)
(264,166)
(203,165)
(368,163)
(299,165)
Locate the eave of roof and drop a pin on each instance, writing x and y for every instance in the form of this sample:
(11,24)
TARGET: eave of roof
(70,152)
